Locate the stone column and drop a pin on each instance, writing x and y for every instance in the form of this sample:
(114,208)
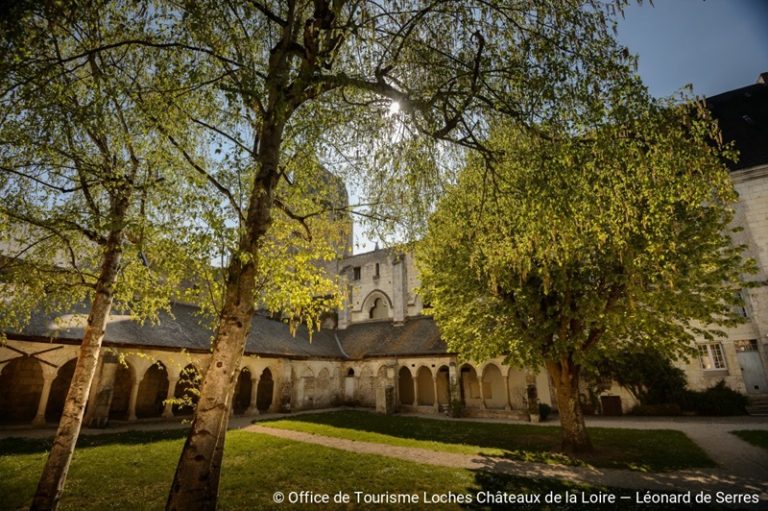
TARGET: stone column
(482,390)
(415,389)
(508,402)
(454,392)
(49,374)
(436,405)
(252,408)
(168,411)
(134,398)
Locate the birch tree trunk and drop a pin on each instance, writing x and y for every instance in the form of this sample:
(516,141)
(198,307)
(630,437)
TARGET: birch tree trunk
(575,438)
(51,484)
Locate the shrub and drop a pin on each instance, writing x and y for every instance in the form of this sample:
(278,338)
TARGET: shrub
(457,408)
(669,409)
(716,400)
(544,411)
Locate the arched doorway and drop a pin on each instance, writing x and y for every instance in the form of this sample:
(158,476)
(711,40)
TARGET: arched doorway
(494,391)
(405,386)
(306,390)
(242,399)
(187,390)
(265,391)
(121,392)
(59,390)
(153,390)
(367,388)
(470,387)
(21,383)
(426,387)
(443,386)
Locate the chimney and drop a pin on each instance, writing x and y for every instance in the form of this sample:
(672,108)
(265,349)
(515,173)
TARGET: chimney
(763,78)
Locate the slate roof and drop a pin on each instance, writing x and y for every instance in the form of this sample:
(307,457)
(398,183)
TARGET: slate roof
(418,336)
(184,329)
(743,118)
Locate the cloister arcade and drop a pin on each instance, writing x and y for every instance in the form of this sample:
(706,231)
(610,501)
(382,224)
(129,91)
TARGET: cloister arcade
(157,384)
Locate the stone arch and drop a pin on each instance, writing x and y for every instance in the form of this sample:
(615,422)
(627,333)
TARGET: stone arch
(426,387)
(187,390)
(153,390)
(121,391)
(405,386)
(21,384)
(443,386)
(377,305)
(59,390)
(242,398)
(494,391)
(469,386)
(265,390)
(518,386)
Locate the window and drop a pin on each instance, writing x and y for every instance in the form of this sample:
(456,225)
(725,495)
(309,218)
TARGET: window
(741,305)
(356,273)
(712,357)
(376,274)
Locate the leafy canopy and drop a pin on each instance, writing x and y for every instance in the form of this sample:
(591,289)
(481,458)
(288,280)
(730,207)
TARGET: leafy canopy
(581,247)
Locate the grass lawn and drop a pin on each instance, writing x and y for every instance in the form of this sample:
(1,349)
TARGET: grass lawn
(758,437)
(134,470)
(645,450)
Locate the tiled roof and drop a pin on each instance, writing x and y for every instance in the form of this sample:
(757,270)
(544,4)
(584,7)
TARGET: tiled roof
(418,336)
(743,118)
(184,329)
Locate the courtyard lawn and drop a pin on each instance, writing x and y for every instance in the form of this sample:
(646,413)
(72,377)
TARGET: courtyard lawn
(133,471)
(758,437)
(644,450)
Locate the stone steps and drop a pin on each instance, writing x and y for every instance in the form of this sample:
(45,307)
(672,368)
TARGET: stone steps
(758,404)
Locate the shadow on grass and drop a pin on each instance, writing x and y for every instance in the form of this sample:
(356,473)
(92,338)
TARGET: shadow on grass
(9,446)
(640,450)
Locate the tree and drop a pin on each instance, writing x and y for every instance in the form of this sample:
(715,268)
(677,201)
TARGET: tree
(324,74)
(569,251)
(90,211)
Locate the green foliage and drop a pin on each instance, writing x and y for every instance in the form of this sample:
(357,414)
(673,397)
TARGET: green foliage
(717,400)
(648,375)
(753,436)
(585,247)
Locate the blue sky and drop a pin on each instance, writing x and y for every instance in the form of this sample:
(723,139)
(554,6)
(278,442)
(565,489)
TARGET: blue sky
(716,45)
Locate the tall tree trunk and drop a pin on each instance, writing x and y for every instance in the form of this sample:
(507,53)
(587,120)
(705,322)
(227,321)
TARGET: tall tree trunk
(196,482)
(51,485)
(573,431)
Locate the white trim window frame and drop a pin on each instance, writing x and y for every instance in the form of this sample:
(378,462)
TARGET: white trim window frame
(712,357)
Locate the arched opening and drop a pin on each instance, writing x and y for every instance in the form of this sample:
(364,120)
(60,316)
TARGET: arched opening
(21,383)
(379,310)
(264,391)
(493,387)
(323,388)
(59,390)
(426,387)
(121,392)
(242,399)
(443,386)
(350,372)
(187,391)
(470,387)
(153,390)
(518,388)
(405,386)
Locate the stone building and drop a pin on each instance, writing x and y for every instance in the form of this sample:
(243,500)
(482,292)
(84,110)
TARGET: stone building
(380,351)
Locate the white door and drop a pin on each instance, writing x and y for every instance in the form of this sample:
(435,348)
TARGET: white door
(752,367)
